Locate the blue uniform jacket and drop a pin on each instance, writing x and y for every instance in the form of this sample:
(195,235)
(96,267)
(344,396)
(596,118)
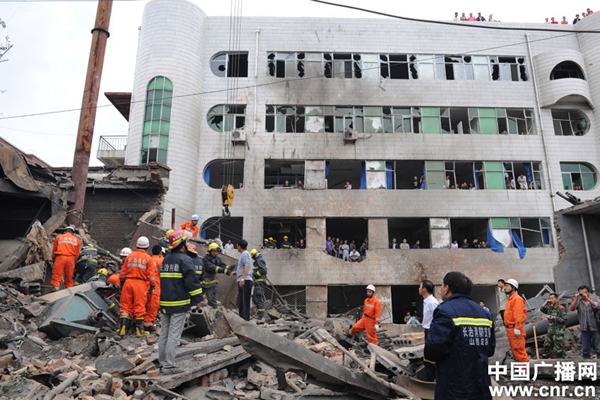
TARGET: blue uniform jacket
(460,340)
(179,285)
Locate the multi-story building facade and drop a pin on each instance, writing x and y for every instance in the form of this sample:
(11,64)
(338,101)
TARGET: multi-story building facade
(378,104)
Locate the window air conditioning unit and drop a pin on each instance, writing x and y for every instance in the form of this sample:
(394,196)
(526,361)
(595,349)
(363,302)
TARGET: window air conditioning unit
(350,135)
(238,136)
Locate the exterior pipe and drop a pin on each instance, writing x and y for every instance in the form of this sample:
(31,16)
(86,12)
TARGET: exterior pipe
(255,77)
(587,254)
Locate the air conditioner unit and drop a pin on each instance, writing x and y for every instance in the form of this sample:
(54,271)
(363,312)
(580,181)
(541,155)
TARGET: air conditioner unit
(350,135)
(238,136)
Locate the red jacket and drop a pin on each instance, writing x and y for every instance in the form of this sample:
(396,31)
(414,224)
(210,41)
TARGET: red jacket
(66,245)
(137,265)
(372,309)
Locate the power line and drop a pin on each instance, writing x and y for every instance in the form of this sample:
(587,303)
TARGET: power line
(461,24)
(57,134)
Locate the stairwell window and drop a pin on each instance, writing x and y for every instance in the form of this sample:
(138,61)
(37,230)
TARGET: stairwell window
(578,176)
(230,65)
(157,120)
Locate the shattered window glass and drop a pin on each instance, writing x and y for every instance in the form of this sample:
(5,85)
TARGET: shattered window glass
(225,118)
(231,65)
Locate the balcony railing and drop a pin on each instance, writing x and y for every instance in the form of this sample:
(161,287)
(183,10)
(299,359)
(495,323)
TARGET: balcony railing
(112,143)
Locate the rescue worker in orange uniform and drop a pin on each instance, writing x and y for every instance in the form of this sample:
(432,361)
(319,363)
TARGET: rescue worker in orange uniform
(371,317)
(514,317)
(64,254)
(191,228)
(154,298)
(137,281)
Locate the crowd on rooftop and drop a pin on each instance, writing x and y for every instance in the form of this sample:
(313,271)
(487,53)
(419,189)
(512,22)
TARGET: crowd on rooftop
(551,20)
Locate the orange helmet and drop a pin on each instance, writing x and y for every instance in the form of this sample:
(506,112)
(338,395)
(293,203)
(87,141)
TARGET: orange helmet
(192,248)
(177,238)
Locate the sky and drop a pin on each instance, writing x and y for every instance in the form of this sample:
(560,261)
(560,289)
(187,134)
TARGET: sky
(46,67)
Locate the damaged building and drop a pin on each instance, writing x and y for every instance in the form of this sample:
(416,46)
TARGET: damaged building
(374,103)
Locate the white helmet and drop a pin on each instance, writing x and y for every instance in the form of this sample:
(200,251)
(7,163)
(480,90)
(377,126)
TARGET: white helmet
(125,251)
(143,242)
(513,283)
(195,217)
(371,287)
(70,227)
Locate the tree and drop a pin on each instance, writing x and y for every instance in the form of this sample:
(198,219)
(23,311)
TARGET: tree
(6,45)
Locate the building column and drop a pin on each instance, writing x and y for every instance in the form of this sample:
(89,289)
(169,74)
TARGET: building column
(384,295)
(316,301)
(316,232)
(378,233)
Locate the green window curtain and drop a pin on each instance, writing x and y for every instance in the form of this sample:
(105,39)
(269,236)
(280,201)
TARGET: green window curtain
(494,175)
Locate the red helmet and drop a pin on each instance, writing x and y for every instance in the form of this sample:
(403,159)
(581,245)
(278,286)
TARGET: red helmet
(192,248)
(176,238)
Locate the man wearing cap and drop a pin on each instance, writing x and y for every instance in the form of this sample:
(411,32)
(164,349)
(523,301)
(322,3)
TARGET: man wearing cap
(286,244)
(64,254)
(371,317)
(191,228)
(514,317)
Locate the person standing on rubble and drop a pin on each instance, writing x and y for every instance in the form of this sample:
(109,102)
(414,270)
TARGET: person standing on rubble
(259,274)
(64,253)
(153,301)
(179,288)
(555,337)
(588,324)
(137,281)
(371,317)
(514,317)
(191,227)
(430,303)
(192,251)
(87,262)
(213,265)
(244,280)
(460,340)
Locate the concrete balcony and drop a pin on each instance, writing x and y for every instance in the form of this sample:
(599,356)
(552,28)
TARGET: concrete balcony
(111,150)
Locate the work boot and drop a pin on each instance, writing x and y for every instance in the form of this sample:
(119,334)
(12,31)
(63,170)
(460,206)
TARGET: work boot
(122,331)
(150,327)
(139,328)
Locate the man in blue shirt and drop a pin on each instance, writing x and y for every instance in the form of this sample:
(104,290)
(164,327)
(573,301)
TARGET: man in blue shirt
(244,280)
(460,340)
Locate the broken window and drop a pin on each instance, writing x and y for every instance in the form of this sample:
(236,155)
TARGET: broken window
(341,299)
(481,67)
(157,121)
(278,228)
(533,232)
(354,230)
(567,69)
(578,176)
(219,173)
(405,299)
(223,228)
(379,175)
(569,123)
(531,171)
(411,229)
(277,172)
(440,233)
(231,65)
(301,64)
(490,121)
(340,172)
(508,69)
(290,119)
(227,117)
(461,175)
(395,66)
(468,228)
(435,176)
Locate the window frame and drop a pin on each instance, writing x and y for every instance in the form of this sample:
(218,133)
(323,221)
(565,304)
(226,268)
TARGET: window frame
(157,120)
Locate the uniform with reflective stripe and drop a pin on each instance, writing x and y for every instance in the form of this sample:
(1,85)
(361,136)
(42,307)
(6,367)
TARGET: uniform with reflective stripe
(211,267)
(259,273)
(459,341)
(152,304)
(180,286)
(259,270)
(192,230)
(371,317)
(138,277)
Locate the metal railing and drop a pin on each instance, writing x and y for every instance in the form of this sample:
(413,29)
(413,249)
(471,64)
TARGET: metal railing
(109,143)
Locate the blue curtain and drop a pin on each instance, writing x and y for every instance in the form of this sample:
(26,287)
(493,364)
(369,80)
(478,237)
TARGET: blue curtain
(203,232)
(326,169)
(546,236)
(363,176)
(389,174)
(519,244)
(528,169)
(423,185)
(475,177)
(207,175)
(493,243)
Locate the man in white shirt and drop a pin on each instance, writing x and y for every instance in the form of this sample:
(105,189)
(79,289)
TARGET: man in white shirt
(522,182)
(430,303)
(354,255)
(229,245)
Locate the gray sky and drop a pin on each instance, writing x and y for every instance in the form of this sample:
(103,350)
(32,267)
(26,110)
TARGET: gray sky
(47,65)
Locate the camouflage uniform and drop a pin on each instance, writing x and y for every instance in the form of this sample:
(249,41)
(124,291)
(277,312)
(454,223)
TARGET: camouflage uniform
(555,338)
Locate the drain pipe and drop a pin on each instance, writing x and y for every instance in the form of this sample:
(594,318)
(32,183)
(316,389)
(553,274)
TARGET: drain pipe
(255,77)
(541,122)
(587,254)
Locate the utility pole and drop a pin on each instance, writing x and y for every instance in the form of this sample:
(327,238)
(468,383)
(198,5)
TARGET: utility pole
(87,118)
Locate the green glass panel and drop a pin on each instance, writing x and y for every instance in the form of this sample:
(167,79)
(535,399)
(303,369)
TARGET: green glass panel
(155,126)
(158,95)
(156,112)
(163,142)
(586,168)
(373,111)
(339,124)
(501,112)
(145,140)
(545,222)
(167,97)
(434,165)
(387,125)
(515,223)
(493,166)
(589,181)
(401,111)
(432,125)
(159,82)
(147,125)
(166,113)
(488,126)
(569,167)
(148,115)
(229,123)
(344,110)
(567,184)
(168,84)
(435,179)
(500,223)
(487,112)
(150,97)
(162,157)
(430,111)
(164,127)
(152,84)
(494,180)
(280,123)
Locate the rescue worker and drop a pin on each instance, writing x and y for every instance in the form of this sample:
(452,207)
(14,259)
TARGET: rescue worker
(153,301)
(259,274)
(212,265)
(101,276)
(461,337)
(115,279)
(286,244)
(192,251)
(87,262)
(272,244)
(371,317)
(179,288)
(265,244)
(64,254)
(137,281)
(164,241)
(514,317)
(555,337)
(191,228)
